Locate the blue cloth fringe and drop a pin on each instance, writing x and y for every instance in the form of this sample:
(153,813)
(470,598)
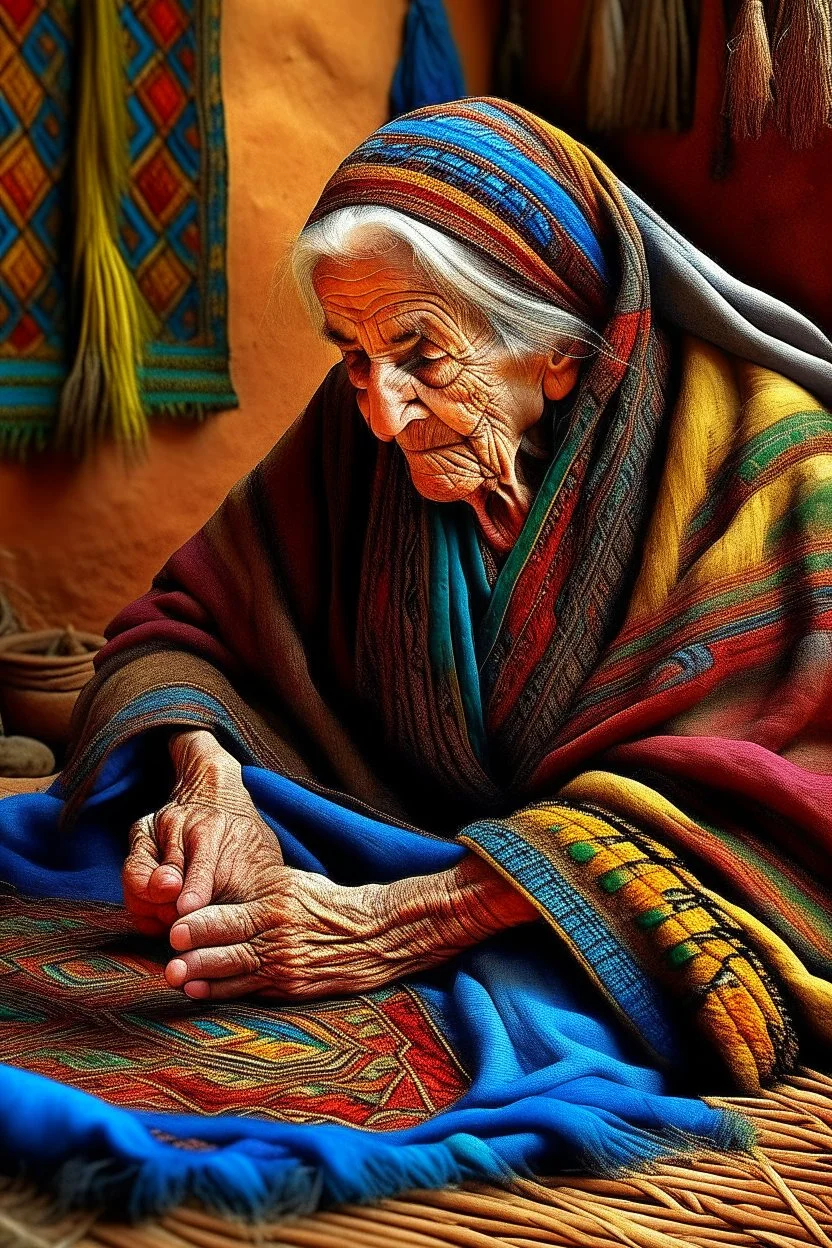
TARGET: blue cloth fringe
(429,70)
(555,1079)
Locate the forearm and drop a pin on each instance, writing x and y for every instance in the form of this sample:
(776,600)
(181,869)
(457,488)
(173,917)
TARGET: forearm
(432,918)
(488,902)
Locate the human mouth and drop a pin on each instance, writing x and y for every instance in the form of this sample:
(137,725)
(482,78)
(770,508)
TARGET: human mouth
(423,440)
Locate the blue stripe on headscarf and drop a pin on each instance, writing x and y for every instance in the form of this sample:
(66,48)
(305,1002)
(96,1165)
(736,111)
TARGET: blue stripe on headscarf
(479,139)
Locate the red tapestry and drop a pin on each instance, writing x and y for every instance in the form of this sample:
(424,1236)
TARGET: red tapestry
(84,1001)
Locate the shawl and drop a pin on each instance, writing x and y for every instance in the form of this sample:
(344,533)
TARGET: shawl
(629,720)
(632,723)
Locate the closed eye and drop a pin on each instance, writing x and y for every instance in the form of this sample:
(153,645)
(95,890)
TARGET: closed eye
(358,365)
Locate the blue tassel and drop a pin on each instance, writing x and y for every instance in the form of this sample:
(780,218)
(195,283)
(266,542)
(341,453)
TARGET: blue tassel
(429,71)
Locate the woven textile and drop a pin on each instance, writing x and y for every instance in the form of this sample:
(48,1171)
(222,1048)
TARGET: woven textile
(121,1083)
(172,227)
(83,1001)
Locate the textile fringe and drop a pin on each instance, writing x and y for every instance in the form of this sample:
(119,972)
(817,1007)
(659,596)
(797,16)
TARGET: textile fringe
(607,65)
(781,1195)
(640,65)
(803,69)
(17,439)
(748,96)
(101,393)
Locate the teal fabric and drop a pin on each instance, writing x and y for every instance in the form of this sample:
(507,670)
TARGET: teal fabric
(459,597)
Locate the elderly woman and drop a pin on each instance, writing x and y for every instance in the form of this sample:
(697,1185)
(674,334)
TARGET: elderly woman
(524,624)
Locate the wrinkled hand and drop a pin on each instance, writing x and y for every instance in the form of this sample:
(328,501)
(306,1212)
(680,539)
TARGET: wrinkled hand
(300,936)
(207,844)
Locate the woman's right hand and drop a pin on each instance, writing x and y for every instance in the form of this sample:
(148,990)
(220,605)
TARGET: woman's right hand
(207,844)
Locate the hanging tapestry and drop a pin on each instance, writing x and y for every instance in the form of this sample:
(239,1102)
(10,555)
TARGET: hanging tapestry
(67,72)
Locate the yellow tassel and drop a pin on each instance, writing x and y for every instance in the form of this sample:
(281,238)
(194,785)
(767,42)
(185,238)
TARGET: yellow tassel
(748,80)
(803,69)
(101,394)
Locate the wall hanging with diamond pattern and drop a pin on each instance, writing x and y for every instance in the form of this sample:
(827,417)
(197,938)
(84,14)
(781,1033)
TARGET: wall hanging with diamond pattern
(112,219)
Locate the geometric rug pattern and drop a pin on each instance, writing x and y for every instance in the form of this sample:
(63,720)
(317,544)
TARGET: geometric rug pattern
(83,1000)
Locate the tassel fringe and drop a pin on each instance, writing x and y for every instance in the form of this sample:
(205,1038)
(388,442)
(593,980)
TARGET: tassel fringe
(429,71)
(101,393)
(607,64)
(748,95)
(640,65)
(803,69)
(18,439)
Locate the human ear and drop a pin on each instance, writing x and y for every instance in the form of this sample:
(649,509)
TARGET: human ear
(560,375)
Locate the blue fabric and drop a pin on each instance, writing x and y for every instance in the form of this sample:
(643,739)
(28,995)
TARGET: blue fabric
(429,71)
(526,182)
(555,1079)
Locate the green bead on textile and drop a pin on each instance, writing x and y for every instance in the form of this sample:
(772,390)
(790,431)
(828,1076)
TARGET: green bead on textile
(652,917)
(682,953)
(581,851)
(612,880)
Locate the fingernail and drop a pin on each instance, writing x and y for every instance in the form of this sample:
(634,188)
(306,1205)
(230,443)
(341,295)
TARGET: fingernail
(176,972)
(196,988)
(180,936)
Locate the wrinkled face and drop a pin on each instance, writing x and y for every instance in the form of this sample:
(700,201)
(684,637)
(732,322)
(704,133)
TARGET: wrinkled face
(429,376)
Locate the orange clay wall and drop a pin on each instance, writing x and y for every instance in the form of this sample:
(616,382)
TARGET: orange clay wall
(304,82)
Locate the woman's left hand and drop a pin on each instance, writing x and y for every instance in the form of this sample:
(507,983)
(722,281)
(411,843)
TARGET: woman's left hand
(302,936)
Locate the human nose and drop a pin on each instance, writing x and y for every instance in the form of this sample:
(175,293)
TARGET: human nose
(389,405)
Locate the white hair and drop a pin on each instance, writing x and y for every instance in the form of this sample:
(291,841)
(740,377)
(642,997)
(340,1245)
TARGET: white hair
(519,321)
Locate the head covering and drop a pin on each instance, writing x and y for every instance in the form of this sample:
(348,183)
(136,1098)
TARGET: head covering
(525,194)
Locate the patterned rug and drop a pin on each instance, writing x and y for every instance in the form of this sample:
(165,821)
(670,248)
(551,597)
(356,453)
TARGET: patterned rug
(173,214)
(84,1001)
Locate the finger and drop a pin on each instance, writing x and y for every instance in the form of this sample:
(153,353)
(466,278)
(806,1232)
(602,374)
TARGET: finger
(222,989)
(141,861)
(221,962)
(198,885)
(165,883)
(213,925)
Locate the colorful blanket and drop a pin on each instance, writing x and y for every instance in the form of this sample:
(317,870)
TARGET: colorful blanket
(118,1091)
(169,221)
(629,719)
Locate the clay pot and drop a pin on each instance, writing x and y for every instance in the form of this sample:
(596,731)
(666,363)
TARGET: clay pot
(38,689)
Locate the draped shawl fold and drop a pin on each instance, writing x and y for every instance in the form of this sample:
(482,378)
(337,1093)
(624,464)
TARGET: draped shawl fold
(631,722)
